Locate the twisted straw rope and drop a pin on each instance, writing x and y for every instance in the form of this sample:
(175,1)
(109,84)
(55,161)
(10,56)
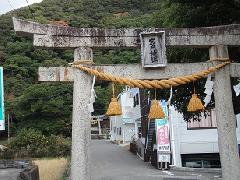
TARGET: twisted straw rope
(160,84)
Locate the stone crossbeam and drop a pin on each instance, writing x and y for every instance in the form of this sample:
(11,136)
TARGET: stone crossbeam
(64,42)
(134,71)
(52,36)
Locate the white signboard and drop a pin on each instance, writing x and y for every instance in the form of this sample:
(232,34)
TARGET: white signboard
(153,49)
(163,157)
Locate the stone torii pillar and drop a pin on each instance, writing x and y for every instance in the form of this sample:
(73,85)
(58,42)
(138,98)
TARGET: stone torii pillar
(81,118)
(49,36)
(226,119)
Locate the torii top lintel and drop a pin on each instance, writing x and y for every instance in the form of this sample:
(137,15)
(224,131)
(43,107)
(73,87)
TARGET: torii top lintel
(52,36)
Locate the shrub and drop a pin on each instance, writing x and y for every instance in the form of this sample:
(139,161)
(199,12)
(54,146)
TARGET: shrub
(32,143)
(58,146)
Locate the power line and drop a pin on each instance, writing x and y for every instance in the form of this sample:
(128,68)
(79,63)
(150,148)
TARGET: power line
(11,5)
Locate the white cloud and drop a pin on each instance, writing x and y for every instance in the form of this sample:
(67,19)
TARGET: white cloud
(8,5)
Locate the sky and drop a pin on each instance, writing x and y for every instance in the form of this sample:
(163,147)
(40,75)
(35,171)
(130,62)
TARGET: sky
(8,5)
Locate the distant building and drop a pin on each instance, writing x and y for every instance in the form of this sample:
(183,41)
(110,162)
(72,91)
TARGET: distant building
(99,126)
(124,128)
(193,144)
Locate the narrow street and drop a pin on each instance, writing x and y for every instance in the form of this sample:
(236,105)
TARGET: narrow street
(113,162)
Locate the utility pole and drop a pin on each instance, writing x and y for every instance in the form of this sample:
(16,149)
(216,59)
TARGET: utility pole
(8,128)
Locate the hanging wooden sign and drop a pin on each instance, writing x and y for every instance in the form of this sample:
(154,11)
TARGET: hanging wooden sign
(153,49)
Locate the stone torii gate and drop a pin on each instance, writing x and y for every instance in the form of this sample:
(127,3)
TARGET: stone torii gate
(217,39)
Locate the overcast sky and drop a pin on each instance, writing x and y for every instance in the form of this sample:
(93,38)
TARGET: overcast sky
(8,5)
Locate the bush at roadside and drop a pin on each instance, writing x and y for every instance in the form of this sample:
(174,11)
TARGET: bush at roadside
(32,143)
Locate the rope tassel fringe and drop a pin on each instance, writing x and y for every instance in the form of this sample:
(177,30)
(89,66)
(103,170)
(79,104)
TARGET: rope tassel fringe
(195,104)
(156,111)
(114,108)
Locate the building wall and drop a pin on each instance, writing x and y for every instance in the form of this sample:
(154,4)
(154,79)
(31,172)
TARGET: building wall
(183,140)
(116,123)
(193,141)
(127,130)
(125,122)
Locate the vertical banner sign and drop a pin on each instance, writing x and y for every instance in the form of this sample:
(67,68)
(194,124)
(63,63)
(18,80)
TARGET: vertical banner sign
(162,129)
(2,120)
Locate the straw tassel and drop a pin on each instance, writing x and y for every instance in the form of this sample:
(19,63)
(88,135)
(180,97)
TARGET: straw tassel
(114,108)
(195,104)
(156,111)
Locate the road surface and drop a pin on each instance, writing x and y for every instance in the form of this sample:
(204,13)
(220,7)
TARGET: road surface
(9,174)
(113,162)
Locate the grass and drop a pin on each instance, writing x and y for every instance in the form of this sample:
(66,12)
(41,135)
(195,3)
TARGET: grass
(51,169)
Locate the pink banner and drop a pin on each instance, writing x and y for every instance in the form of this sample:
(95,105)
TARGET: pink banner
(163,138)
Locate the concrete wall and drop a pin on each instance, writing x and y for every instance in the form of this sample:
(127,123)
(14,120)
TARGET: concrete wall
(127,130)
(194,141)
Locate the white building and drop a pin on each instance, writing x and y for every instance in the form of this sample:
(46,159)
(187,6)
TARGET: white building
(125,127)
(193,144)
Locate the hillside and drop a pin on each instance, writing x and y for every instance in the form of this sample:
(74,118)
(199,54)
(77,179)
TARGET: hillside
(47,106)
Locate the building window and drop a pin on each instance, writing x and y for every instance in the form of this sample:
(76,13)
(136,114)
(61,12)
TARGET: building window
(207,122)
(204,160)
(136,100)
(120,131)
(139,131)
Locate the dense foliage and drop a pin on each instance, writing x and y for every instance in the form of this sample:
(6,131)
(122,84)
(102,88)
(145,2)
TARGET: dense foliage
(47,106)
(32,143)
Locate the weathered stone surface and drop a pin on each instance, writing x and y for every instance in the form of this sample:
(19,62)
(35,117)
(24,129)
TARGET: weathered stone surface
(153,49)
(235,70)
(64,42)
(134,71)
(81,122)
(55,74)
(23,27)
(30,173)
(70,37)
(226,119)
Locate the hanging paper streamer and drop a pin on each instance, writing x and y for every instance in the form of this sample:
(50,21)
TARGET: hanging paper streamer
(237,89)
(93,96)
(208,90)
(170,97)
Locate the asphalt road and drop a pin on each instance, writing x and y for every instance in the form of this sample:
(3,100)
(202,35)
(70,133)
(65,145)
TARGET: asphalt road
(9,174)
(112,162)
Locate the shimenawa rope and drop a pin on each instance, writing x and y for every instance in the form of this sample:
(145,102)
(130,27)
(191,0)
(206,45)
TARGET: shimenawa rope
(159,84)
